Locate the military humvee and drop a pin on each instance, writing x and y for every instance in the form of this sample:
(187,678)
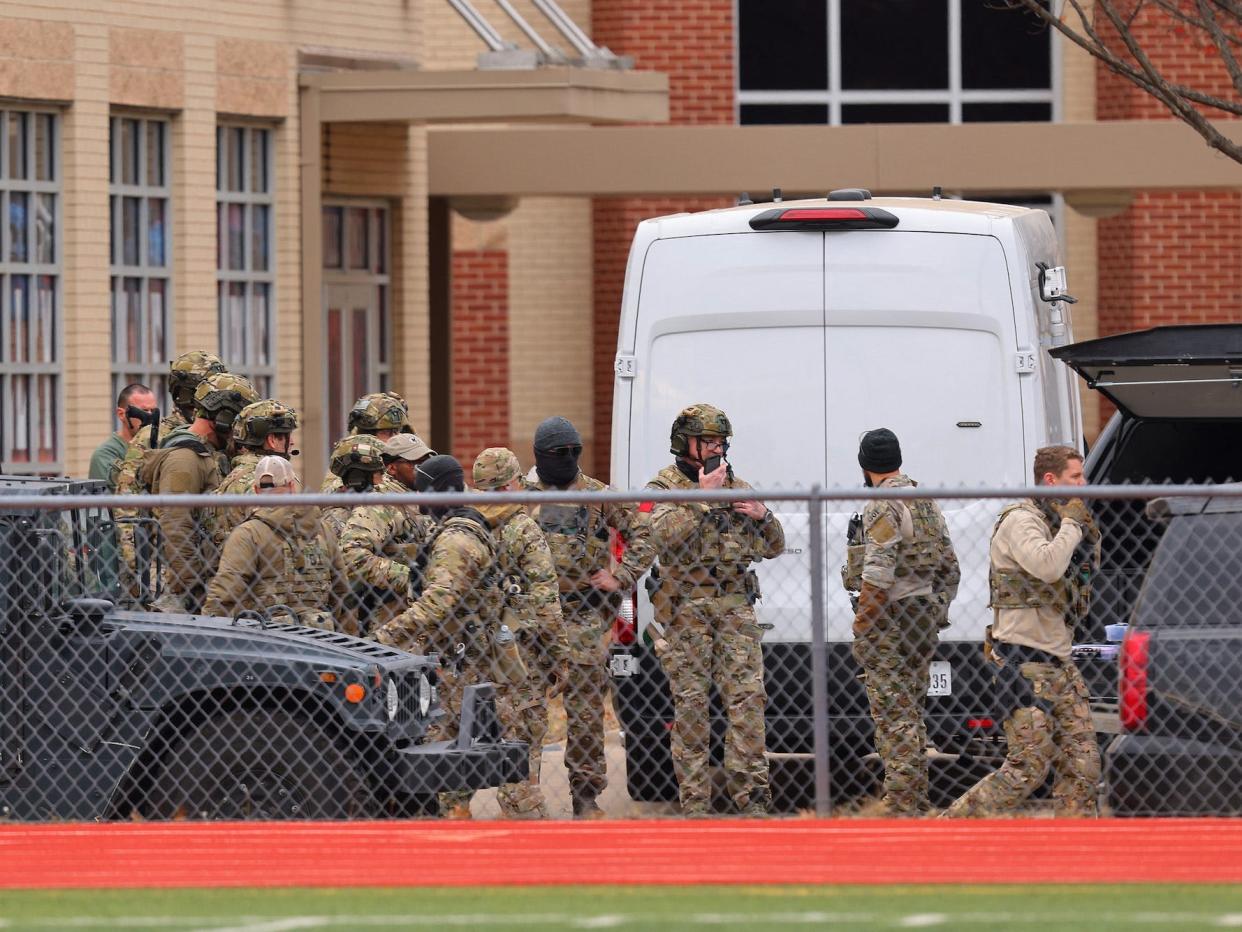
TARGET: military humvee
(108,711)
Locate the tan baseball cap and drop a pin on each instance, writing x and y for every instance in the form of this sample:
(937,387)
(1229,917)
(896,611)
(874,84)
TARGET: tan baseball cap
(407,447)
(273,472)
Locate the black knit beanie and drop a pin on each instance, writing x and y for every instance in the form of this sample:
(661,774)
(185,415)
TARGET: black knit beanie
(879,451)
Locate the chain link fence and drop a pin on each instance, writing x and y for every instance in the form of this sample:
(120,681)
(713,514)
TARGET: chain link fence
(513,655)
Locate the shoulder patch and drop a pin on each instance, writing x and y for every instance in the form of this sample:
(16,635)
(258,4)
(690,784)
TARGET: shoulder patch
(883,530)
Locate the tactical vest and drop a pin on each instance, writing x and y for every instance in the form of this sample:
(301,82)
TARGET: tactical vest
(303,581)
(923,553)
(577,537)
(720,550)
(479,609)
(1070,595)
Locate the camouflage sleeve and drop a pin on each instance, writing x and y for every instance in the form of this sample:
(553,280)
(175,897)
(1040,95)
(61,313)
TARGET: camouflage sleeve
(454,569)
(634,525)
(771,533)
(234,580)
(672,526)
(367,531)
(339,595)
(882,529)
(181,475)
(539,572)
(949,573)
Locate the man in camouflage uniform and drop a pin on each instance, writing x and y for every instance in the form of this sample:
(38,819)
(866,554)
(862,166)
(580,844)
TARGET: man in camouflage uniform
(456,604)
(358,461)
(907,578)
(1042,556)
(185,374)
(381,543)
(592,585)
(264,428)
(532,609)
(705,597)
(186,463)
(381,415)
(279,556)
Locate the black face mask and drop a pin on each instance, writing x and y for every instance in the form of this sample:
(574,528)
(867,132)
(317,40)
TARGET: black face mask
(557,469)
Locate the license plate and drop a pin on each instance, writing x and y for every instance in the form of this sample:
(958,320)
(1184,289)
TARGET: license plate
(941,678)
(623,665)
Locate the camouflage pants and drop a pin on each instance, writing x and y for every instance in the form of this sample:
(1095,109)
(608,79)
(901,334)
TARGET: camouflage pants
(1059,734)
(717,641)
(894,654)
(524,712)
(586,691)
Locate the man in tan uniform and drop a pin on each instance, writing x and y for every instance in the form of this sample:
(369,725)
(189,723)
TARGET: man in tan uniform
(279,555)
(1038,594)
(186,463)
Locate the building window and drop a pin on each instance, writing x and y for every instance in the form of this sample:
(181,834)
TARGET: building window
(140,209)
(891,61)
(244,256)
(30,339)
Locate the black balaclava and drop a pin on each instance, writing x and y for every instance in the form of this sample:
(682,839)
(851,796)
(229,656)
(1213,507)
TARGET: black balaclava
(557,469)
(441,473)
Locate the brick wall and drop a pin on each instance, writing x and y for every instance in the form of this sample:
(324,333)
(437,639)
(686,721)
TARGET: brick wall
(1175,256)
(480,352)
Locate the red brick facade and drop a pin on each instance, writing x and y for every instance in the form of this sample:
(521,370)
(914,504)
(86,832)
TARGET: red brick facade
(480,352)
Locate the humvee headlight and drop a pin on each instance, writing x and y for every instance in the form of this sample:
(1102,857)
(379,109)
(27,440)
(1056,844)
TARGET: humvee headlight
(424,694)
(391,700)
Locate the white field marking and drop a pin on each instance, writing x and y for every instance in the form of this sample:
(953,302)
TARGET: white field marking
(276,925)
(922,920)
(1229,920)
(599,922)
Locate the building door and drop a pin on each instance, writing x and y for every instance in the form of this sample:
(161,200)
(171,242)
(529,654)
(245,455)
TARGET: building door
(356,294)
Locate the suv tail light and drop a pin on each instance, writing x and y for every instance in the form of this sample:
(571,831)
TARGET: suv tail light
(1132,685)
(824,218)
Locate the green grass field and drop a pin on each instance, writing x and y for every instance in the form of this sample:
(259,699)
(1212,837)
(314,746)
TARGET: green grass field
(630,908)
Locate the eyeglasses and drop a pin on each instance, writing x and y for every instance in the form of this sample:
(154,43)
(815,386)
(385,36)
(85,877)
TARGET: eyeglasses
(573,450)
(715,443)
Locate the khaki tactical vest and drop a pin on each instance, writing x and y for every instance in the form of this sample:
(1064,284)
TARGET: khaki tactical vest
(576,535)
(303,582)
(720,550)
(924,553)
(1070,595)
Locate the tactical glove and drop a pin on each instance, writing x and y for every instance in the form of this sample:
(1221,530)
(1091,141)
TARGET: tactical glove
(1075,509)
(871,602)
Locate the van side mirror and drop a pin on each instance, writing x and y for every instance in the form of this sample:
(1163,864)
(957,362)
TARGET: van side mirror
(1053,284)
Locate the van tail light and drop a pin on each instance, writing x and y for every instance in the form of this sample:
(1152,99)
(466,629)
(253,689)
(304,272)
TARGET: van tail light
(1132,685)
(624,631)
(824,218)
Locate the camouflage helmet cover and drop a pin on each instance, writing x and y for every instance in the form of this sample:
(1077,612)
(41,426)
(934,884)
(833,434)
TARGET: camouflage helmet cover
(495,468)
(379,411)
(257,421)
(700,420)
(221,396)
(187,370)
(360,451)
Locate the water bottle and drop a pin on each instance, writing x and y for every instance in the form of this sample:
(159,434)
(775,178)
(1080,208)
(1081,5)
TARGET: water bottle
(507,666)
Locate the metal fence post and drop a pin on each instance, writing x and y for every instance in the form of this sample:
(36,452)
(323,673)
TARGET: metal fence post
(819,656)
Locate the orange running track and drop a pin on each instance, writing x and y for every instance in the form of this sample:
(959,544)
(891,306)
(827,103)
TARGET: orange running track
(183,854)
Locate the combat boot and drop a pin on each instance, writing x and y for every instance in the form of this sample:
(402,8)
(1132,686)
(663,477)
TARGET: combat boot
(584,804)
(758,805)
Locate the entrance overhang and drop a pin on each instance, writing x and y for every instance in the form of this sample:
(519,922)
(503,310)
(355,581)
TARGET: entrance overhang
(977,158)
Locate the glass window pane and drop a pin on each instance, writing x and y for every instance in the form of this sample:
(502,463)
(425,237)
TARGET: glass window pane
(358,352)
(17,145)
(772,114)
(261,313)
(19,387)
(156,207)
(336,366)
(44,417)
(157,318)
(133,320)
(155,152)
(259,182)
(237,236)
(782,45)
(222,158)
(1004,48)
(356,236)
(19,318)
(45,147)
(383,325)
(258,238)
(45,319)
(237,158)
(129,230)
(45,228)
(1006,113)
(18,223)
(332,237)
(129,151)
(239,350)
(381,241)
(895,45)
(895,113)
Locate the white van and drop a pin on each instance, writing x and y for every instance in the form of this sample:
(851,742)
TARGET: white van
(810,322)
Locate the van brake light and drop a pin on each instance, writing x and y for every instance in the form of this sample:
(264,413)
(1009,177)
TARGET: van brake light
(1132,677)
(824,218)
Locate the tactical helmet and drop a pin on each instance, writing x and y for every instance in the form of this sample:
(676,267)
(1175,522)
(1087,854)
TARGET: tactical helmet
(379,411)
(698,421)
(186,371)
(495,468)
(256,421)
(221,396)
(360,451)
